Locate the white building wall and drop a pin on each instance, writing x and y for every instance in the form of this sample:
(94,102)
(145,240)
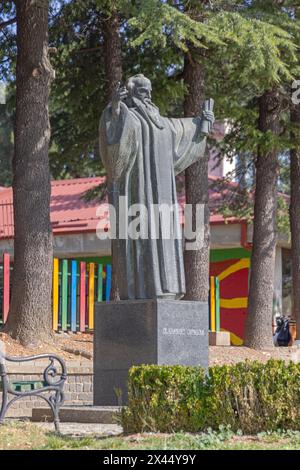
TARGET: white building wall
(278,282)
(219,165)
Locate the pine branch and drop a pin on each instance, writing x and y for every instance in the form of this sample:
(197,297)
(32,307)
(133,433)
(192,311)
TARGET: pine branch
(7,23)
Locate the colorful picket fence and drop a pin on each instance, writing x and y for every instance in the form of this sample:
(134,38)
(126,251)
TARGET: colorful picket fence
(77,285)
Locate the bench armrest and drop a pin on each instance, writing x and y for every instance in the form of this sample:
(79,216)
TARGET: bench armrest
(51,372)
(55,375)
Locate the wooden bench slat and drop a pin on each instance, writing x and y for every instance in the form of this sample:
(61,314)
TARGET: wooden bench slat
(27,386)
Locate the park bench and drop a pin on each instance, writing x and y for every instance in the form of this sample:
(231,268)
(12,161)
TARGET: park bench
(51,383)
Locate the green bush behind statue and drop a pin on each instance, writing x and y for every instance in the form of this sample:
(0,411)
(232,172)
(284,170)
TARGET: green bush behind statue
(250,397)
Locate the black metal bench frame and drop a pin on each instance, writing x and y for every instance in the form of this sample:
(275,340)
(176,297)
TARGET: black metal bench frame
(53,382)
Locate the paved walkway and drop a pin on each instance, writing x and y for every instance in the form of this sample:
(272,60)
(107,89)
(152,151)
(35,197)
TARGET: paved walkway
(82,430)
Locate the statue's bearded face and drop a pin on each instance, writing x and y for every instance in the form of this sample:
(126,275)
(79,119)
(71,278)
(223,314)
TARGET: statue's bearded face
(142,92)
(139,95)
(139,87)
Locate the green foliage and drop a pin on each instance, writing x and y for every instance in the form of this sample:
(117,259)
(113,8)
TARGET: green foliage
(283,219)
(165,399)
(7,41)
(258,48)
(78,94)
(6,147)
(248,397)
(6,141)
(238,200)
(244,48)
(78,90)
(156,21)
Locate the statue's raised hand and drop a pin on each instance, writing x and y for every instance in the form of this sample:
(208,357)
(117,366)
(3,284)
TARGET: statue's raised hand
(209,116)
(119,95)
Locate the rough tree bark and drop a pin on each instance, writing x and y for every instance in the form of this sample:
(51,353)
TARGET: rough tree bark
(113,72)
(259,320)
(112,53)
(196,188)
(295,216)
(30,310)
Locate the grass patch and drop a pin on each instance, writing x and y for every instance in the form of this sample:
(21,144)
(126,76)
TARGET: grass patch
(28,436)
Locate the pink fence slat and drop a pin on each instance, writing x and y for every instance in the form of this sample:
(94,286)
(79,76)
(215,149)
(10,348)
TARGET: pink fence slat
(6,286)
(82,302)
(7,219)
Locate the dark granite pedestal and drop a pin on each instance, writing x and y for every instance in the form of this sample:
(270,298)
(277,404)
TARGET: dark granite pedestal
(134,332)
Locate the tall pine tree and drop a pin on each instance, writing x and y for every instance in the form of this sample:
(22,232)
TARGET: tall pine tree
(295,214)
(30,310)
(261,289)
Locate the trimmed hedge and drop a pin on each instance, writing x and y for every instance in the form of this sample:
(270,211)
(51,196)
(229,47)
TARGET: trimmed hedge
(251,397)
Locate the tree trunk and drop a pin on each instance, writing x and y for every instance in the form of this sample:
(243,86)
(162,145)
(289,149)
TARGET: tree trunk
(113,72)
(30,310)
(295,216)
(196,188)
(261,291)
(113,53)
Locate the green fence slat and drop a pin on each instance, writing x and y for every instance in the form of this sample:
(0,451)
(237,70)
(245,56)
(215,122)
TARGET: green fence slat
(100,283)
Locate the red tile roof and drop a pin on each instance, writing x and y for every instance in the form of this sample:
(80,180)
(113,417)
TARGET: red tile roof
(70,212)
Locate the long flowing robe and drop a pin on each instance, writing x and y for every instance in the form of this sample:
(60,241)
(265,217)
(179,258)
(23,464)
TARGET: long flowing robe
(142,153)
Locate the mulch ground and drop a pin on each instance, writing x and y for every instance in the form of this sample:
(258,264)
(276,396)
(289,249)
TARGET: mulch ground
(219,355)
(68,345)
(80,346)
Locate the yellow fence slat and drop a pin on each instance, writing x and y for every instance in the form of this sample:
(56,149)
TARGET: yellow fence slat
(212,305)
(91,295)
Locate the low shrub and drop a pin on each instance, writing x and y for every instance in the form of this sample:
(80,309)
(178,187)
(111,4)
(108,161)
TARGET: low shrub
(250,397)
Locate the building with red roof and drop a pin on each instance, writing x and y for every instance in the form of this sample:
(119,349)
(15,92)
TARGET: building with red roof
(76,221)
(76,217)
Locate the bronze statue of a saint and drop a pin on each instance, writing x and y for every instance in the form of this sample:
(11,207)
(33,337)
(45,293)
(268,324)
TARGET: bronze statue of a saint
(142,152)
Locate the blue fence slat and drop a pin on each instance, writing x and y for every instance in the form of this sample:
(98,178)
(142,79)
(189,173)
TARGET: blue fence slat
(108,282)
